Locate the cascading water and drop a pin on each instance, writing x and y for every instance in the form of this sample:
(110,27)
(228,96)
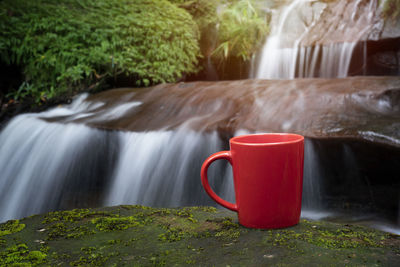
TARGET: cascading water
(306,40)
(49,166)
(312,194)
(42,163)
(155,168)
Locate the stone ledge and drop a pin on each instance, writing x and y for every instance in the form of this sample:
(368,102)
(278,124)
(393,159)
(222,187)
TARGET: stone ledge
(143,236)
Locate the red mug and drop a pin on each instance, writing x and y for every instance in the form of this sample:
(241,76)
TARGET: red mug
(267,176)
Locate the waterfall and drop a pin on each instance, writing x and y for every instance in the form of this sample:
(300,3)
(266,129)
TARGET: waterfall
(51,166)
(161,168)
(311,178)
(48,166)
(306,40)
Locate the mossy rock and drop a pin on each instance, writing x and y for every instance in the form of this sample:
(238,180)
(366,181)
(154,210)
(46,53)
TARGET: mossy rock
(143,236)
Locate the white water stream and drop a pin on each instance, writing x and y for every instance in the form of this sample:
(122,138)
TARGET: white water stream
(49,166)
(299,47)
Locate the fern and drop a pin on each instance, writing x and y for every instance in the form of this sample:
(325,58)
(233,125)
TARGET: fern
(242,31)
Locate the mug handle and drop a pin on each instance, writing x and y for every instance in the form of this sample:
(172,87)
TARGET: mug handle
(204,178)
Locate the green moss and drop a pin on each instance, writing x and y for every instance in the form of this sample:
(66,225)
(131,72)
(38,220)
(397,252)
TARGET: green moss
(61,230)
(65,224)
(178,224)
(173,235)
(158,259)
(68,216)
(185,213)
(57,230)
(181,224)
(330,238)
(204,208)
(94,256)
(115,223)
(135,207)
(19,255)
(228,230)
(63,257)
(10,227)
(114,241)
(141,236)
(36,256)
(229,234)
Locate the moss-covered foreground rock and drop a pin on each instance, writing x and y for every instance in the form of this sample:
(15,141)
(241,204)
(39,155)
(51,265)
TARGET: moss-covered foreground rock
(142,236)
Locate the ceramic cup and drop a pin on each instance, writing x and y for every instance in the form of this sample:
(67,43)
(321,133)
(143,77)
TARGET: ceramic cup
(267,176)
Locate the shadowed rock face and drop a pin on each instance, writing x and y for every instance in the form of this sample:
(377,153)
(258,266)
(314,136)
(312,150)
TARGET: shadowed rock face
(365,108)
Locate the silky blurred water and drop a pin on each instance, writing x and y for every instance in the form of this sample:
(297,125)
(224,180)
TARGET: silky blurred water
(299,47)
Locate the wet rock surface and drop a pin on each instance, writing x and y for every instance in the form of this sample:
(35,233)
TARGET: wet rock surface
(331,22)
(138,235)
(365,108)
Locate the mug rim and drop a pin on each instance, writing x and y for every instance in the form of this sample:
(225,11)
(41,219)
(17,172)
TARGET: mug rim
(297,138)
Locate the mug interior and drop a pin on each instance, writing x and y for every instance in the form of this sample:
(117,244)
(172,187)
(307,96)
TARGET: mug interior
(267,139)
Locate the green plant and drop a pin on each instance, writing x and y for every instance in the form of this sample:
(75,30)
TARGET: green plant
(204,13)
(68,45)
(242,31)
(28,90)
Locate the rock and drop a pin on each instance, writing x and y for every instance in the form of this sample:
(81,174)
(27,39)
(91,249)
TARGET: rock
(339,22)
(331,22)
(138,235)
(363,108)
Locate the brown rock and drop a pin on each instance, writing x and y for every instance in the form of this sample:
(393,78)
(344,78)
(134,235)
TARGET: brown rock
(359,107)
